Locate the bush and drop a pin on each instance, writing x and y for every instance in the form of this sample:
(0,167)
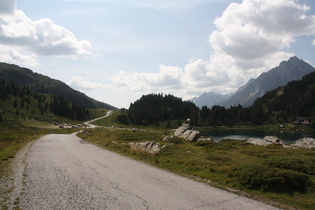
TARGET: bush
(259,176)
(205,143)
(292,163)
(176,140)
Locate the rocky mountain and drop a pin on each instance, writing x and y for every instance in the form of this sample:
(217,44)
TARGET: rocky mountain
(24,77)
(287,71)
(210,99)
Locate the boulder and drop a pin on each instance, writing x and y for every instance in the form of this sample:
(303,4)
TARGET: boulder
(273,139)
(260,142)
(150,147)
(186,131)
(266,141)
(179,131)
(304,142)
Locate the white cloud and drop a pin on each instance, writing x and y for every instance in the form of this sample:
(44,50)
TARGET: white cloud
(81,83)
(259,28)
(251,37)
(40,37)
(13,54)
(314,42)
(167,78)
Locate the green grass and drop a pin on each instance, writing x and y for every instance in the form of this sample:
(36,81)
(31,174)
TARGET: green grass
(223,164)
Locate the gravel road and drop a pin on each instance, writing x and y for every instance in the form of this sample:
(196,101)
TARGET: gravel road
(65,172)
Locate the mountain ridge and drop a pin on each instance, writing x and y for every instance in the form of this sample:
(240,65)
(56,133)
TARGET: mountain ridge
(43,84)
(210,99)
(285,72)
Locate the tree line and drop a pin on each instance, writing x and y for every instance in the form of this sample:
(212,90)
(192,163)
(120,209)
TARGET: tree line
(282,105)
(31,102)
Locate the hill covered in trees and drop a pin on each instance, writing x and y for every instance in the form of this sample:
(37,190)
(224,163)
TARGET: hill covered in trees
(22,103)
(24,77)
(283,105)
(155,108)
(288,103)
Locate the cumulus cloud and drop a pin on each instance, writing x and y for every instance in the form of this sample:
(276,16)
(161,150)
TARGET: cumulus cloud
(13,54)
(250,37)
(257,28)
(166,78)
(81,83)
(37,37)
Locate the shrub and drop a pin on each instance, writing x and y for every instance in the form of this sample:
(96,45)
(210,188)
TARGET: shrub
(292,163)
(221,145)
(220,157)
(176,140)
(204,143)
(259,176)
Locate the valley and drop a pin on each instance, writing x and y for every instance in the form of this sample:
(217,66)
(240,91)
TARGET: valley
(226,163)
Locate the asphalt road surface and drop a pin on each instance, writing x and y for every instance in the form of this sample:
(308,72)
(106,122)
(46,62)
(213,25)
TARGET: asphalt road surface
(65,172)
(94,126)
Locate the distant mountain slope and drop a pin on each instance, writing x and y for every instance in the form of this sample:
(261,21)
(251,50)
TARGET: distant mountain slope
(289,102)
(43,84)
(287,71)
(210,99)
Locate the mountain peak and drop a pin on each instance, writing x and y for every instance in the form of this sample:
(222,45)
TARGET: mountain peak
(287,71)
(293,60)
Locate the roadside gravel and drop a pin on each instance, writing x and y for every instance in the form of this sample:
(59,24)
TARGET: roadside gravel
(11,184)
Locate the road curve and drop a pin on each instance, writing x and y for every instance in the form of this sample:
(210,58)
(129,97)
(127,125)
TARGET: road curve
(65,172)
(94,126)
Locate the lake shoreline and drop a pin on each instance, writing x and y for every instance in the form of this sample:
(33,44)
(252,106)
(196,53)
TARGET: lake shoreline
(287,134)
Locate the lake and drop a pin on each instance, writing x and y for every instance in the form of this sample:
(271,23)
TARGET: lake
(285,135)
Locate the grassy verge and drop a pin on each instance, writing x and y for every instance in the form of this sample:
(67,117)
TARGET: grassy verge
(274,174)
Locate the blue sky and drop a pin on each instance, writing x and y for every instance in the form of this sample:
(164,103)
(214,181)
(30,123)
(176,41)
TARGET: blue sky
(117,50)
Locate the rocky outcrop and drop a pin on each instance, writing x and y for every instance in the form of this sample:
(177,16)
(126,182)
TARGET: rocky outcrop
(266,141)
(273,139)
(304,142)
(150,147)
(186,131)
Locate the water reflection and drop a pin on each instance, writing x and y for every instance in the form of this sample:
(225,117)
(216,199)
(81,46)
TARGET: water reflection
(284,135)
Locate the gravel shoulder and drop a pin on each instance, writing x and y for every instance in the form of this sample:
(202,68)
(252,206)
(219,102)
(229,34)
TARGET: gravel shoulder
(11,184)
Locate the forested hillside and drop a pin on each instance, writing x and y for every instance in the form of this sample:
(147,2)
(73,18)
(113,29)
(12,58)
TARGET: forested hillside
(24,77)
(288,103)
(21,102)
(285,104)
(154,108)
